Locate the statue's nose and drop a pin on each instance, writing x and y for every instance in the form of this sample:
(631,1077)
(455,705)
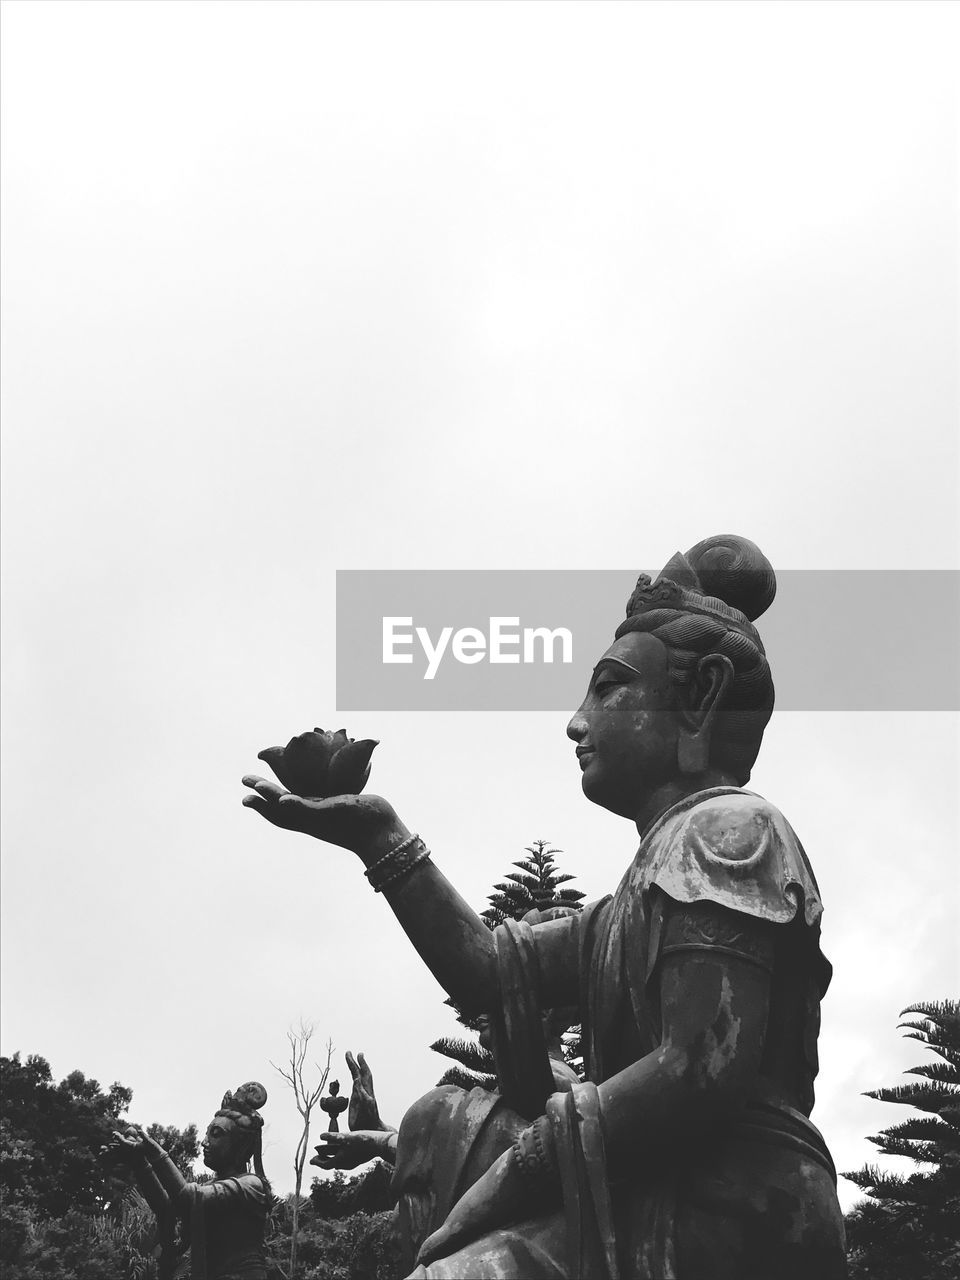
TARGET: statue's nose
(577,728)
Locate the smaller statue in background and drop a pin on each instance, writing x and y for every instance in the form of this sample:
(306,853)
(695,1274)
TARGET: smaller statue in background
(224,1220)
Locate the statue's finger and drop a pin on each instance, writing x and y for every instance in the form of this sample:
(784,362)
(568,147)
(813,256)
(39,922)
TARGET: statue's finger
(367,1074)
(332,805)
(267,809)
(263,786)
(258,803)
(352,1064)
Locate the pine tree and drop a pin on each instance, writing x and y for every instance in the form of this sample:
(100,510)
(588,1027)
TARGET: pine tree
(909,1227)
(475,1067)
(534,886)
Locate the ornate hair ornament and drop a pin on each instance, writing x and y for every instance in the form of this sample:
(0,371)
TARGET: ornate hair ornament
(242,1107)
(648,594)
(244,1104)
(726,577)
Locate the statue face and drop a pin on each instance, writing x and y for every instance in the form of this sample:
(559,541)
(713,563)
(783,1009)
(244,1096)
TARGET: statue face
(219,1143)
(626,729)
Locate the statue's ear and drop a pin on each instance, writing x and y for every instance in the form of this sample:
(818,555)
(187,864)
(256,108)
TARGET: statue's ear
(700,702)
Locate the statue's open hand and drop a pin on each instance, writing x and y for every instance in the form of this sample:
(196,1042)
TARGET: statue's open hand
(364,1112)
(346,1150)
(354,822)
(500,1196)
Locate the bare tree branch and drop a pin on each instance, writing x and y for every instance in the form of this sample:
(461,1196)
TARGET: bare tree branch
(306,1099)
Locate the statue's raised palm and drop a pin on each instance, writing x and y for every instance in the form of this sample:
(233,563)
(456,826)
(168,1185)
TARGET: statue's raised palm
(351,821)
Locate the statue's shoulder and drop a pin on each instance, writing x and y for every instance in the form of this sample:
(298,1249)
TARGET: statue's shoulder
(736,849)
(734,826)
(252,1188)
(247,1189)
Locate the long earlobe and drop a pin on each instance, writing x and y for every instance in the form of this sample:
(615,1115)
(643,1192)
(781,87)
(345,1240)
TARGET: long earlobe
(693,741)
(693,751)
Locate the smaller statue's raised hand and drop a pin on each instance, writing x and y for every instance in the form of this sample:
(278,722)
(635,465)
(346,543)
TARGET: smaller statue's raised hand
(345,1150)
(364,1112)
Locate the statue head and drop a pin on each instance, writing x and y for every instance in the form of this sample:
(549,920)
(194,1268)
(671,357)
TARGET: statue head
(233,1136)
(682,696)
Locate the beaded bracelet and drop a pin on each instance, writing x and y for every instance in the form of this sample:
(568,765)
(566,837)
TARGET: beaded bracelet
(392,854)
(530,1153)
(398,863)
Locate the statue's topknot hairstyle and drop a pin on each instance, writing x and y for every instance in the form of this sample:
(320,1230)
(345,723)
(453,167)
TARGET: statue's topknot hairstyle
(242,1108)
(704,602)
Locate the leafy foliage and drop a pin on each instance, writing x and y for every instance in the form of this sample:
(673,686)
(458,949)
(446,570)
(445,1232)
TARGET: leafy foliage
(345,1230)
(121,1245)
(359,1247)
(461,1076)
(474,1064)
(66,1212)
(341,1197)
(909,1226)
(51,1135)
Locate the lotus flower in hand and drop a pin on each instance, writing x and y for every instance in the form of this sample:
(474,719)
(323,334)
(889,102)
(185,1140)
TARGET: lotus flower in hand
(318,765)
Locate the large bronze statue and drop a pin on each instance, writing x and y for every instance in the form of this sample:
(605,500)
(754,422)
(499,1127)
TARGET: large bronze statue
(223,1220)
(688,1152)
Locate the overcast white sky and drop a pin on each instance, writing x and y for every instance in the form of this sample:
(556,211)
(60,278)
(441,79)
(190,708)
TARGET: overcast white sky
(292,288)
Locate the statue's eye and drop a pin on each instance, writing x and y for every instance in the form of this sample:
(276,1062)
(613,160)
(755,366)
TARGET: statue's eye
(603,686)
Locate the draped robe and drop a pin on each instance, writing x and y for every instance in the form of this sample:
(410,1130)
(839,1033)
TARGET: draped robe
(751,1197)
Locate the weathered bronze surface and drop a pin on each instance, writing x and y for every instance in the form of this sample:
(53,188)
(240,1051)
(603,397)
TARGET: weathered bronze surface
(687,1153)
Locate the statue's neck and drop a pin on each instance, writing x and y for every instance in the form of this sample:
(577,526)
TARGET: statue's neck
(677,790)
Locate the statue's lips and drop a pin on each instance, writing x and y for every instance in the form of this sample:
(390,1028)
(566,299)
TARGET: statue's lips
(585,755)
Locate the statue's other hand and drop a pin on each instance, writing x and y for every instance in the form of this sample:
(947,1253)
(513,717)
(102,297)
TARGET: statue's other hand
(354,822)
(345,1150)
(499,1196)
(364,1112)
(125,1145)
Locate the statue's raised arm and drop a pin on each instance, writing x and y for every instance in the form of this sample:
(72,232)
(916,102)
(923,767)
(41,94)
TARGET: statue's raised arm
(687,1152)
(449,935)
